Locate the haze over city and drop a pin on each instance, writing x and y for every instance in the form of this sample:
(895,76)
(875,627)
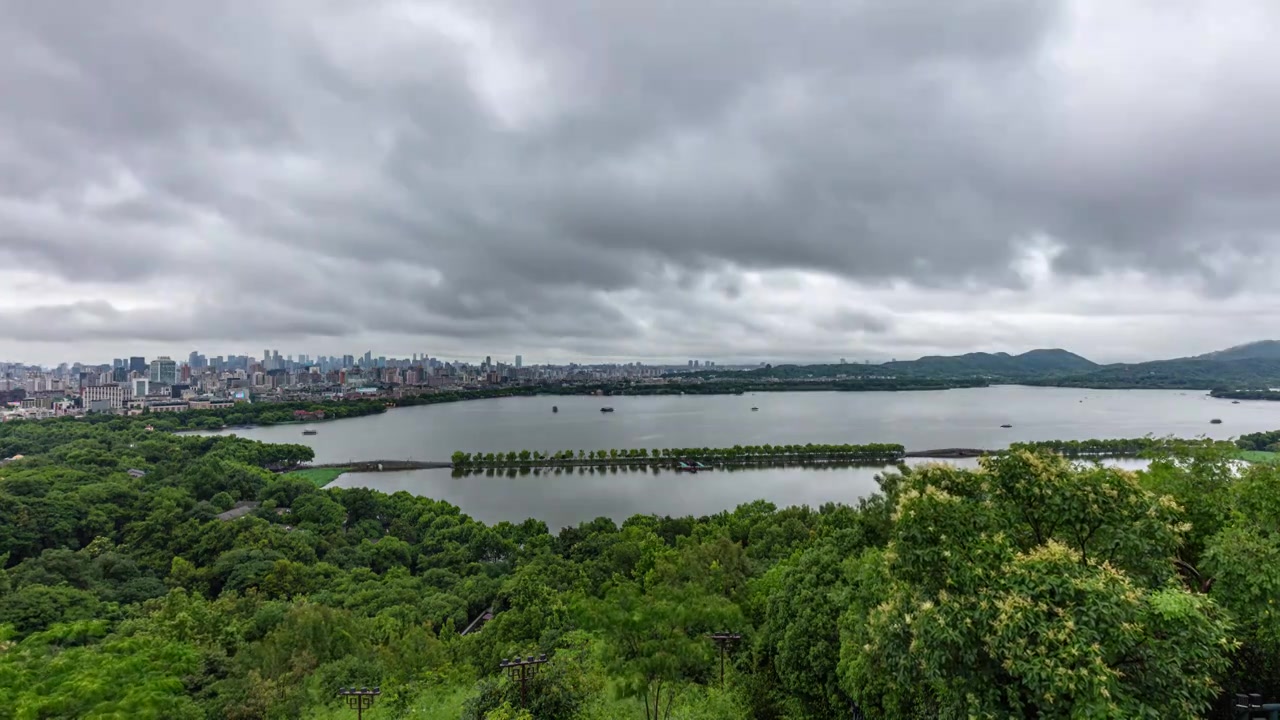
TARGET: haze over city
(592,182)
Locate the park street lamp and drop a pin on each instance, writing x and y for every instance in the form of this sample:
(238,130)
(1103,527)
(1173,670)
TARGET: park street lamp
(522,671)
(359,699)
(724,640)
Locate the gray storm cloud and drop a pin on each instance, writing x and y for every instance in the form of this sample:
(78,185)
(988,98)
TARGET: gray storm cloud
(607,178)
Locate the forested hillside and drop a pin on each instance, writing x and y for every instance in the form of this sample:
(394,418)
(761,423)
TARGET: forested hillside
(1028,588)
(1247,367)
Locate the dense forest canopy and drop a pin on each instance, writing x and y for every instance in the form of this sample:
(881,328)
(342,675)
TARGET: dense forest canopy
(1031,586)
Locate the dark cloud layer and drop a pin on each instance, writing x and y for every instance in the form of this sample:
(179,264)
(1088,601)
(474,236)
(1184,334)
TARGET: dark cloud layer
(625,179)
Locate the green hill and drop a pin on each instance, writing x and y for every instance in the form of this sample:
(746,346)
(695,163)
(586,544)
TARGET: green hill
(1189,373)
(1261,350)
(1029,364)
(1255,366)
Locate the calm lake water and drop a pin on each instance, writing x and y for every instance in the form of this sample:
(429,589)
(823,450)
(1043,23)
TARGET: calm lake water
(918,420)
(566,499)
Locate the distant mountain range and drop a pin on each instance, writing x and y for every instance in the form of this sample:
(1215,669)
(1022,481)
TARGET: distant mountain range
(1252,366)
(1261,350)
(1035,362)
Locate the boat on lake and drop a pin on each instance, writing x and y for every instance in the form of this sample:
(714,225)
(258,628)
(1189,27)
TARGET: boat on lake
(606,409)
(1235,402)
(1215,421)
(555,408)
(1006,425)
(309,432)
(754,409)
(690,466)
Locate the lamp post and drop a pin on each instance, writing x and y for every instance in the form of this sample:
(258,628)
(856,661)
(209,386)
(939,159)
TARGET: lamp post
(522,671)
(724,640)
(359,699)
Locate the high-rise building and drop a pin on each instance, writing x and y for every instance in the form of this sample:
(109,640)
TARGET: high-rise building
(519,361)
(164,371)
(193,359)
(137,364)
(368,359)
(102,397)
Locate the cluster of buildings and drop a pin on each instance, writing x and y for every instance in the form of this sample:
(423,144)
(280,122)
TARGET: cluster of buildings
(165,384)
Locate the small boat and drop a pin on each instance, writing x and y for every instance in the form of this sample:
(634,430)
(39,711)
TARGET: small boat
(1215,421)
(1235,402)
(555,408)
(606,409)
(755,409)
(1006,425)
(309,432)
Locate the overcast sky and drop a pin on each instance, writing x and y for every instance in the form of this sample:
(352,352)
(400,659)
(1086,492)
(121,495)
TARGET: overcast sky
(647,179)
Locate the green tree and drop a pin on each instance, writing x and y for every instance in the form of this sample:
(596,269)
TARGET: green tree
(62,672)
(1034,589)
(800,637)
(657,640)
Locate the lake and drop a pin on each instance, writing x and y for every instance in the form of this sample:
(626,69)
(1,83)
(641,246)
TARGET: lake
(580,494)
(919,420)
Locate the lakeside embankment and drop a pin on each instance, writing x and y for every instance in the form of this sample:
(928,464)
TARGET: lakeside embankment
(382,465)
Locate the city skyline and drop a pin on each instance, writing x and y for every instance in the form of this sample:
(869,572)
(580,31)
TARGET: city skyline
(515,360)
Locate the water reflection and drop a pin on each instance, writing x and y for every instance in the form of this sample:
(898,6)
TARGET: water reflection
(566,496)
(513,472)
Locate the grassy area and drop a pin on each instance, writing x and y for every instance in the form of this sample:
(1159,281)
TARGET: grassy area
(319,476)
(1261,457)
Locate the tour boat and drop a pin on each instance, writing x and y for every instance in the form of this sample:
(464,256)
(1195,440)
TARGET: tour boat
(1215,421)
(754,409)
(309,432)
(1006,425)
(606,409)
